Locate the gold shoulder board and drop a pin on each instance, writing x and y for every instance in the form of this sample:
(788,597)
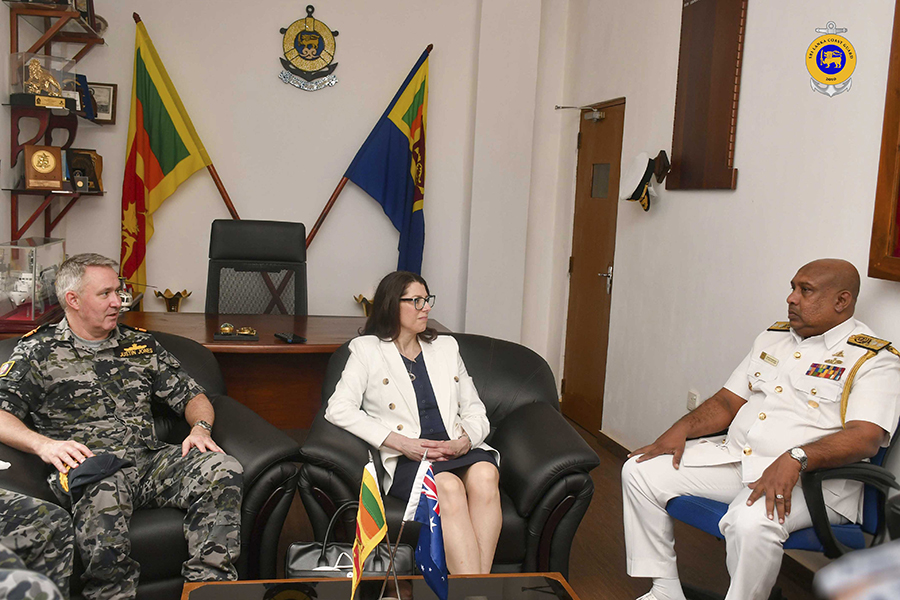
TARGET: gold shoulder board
(780,326)
(36,329)
(868,342)
(132,327)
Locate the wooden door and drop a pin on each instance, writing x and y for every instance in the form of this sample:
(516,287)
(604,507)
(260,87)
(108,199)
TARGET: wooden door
(591,268)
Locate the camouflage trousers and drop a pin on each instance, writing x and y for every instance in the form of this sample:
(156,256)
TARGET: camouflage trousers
(206,484)
(40,533)
(18,583)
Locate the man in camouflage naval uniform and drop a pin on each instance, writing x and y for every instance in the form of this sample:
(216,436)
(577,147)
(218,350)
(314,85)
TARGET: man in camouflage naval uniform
(35,547)
(18,583)
(88,385)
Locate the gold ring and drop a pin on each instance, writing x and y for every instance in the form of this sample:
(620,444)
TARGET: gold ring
(226,329)
(246,331)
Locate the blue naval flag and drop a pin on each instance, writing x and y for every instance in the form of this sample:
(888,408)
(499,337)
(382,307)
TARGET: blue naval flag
(430,549)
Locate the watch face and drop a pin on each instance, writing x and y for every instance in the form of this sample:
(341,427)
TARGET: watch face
(43,162)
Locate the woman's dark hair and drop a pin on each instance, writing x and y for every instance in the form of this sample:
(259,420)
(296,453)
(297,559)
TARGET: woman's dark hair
(384,316)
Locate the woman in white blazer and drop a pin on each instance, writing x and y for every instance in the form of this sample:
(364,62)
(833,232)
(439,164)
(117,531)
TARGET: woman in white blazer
(406,391)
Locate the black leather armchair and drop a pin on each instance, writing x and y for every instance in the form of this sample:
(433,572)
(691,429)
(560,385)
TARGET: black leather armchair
(157,536)
(545,482)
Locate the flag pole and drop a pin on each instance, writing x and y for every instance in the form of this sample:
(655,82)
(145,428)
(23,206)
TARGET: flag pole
(212,169)
(391,567)
(336,193)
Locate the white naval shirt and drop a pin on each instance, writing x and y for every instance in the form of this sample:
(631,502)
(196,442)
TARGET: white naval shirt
(793,391)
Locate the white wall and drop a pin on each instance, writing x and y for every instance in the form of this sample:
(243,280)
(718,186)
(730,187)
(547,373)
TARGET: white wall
(697,277)
(704,271)
(501,178)
(281,151)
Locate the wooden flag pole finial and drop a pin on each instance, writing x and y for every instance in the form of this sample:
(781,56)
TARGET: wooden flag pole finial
(428,49)
(137,17)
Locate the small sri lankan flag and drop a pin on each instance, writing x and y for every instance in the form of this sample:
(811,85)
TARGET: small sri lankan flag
(163,150)
(390,165)
(371,524)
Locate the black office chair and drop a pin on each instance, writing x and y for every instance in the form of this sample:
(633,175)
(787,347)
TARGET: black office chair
(832,540)
(256,267)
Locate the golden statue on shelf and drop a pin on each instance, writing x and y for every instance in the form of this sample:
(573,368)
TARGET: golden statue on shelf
(40,81)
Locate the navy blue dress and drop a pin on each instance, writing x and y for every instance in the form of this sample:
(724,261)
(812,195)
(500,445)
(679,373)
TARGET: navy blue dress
(432,429)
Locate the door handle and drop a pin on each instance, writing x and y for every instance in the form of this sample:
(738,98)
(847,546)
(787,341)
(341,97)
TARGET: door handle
(609,276)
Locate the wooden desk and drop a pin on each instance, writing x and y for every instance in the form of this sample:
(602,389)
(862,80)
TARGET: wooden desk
(282,382)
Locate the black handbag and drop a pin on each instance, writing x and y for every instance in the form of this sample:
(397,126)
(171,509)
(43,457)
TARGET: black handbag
(335,559)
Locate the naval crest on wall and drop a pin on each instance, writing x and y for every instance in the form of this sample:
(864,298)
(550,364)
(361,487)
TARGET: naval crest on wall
(308,54)
(830,60)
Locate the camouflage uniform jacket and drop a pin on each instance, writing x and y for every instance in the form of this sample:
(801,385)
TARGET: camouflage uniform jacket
(99,397)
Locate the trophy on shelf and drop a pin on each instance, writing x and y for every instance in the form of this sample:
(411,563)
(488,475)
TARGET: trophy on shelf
(41,80)
(173,301)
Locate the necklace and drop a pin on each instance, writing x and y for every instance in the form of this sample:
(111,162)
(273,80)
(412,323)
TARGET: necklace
(412,376)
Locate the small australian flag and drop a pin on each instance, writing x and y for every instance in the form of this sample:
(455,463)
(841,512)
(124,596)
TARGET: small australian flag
(430,549)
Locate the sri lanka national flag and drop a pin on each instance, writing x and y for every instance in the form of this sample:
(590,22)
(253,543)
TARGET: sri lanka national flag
(371,525)
(430,550)
(390,165)
(163,150)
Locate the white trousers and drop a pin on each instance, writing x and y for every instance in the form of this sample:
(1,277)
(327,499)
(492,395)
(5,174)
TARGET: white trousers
(753,543)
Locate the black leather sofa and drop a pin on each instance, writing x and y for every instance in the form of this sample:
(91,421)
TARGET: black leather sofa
(270,479)
(545,481)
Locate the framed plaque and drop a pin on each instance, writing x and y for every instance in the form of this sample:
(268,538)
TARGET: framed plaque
(43,168)
(83,166)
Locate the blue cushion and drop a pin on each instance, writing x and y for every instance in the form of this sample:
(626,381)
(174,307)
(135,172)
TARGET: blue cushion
(705,514)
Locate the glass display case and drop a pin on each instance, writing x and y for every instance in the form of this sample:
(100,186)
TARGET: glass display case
(41,80)
(28,268)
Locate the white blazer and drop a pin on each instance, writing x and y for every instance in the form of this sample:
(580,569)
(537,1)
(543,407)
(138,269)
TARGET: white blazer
(375,396)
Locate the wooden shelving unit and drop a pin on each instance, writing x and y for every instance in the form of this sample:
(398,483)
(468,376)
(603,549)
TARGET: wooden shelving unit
(56,24)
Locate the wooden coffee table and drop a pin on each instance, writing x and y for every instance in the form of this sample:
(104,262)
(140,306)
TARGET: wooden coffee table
(500,586)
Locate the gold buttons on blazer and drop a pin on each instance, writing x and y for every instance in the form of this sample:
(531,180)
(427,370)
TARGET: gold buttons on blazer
(813,391)
(749,386)
(762,416)
(748,451)
(456,378)
(778,389)
(391,406)
(756,374)
(813,404)
(400,427)
(797,355)
(385,382)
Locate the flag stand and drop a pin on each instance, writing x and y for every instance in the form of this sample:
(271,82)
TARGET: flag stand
(391,568)
(392,551)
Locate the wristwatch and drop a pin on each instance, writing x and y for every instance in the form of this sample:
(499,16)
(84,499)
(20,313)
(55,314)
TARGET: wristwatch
(799,455)
(203,424)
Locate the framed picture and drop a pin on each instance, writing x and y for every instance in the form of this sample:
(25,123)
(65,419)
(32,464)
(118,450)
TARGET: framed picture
(86,8)
(104,95)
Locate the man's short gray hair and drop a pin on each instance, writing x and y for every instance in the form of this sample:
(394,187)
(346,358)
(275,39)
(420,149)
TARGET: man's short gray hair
(71,272)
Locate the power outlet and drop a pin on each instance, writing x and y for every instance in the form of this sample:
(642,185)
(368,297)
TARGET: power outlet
(693,399)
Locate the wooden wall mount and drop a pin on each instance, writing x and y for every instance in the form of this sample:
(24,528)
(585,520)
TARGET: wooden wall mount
(706,98)
(884,249)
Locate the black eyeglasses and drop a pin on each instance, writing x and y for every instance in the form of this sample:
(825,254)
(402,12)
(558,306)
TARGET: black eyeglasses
(420,302)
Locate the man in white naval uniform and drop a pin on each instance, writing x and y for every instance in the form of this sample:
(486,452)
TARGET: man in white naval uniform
(782,409)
